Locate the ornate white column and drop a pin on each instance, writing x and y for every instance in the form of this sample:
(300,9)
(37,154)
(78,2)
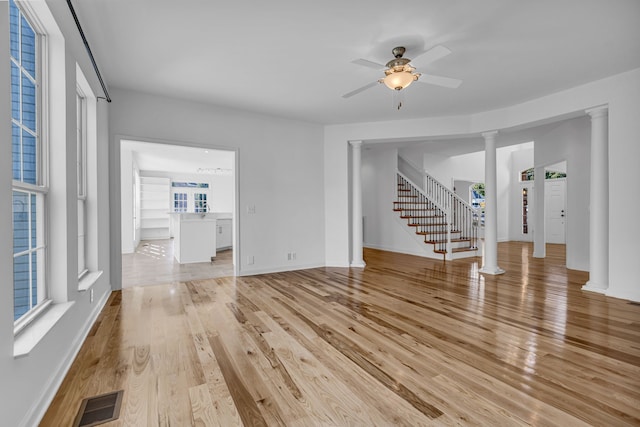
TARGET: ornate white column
(490,206)
(599,202)
(356,209)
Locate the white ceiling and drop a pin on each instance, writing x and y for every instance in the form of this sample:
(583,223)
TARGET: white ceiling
(292,58)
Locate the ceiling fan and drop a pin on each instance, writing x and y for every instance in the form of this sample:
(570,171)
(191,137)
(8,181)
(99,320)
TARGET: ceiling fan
(399,73)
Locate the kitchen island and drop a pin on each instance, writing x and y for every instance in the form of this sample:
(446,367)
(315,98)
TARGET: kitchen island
(194,237)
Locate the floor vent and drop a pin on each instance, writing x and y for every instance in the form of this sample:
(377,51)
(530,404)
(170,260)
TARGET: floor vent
(99,409)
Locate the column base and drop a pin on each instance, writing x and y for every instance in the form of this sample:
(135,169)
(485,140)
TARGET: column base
(595,287)
(494,270)
(358,264)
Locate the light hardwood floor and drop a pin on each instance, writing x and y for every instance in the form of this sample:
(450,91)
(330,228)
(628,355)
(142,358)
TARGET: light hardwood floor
(153,263)
(406,341)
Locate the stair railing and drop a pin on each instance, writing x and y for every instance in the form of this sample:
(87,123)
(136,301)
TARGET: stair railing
(430,214)
(463,217)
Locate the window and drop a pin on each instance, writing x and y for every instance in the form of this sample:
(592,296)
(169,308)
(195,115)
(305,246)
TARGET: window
(179,202)
(476,195)
(200,200)
(81,168)
(185,194)
(528,175)
(29,166)
(86,181)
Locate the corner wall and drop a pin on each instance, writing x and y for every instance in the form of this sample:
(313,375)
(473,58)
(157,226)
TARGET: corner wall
(383,229)
(570,141)
(280,174)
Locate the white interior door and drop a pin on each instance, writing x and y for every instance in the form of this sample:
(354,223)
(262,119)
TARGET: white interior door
(555,210)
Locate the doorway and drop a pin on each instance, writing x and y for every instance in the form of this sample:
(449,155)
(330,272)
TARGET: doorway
(555,210)
(162,186)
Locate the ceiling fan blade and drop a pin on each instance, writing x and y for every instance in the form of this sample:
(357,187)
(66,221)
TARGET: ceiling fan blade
(361,89)
(368,64)
(440,81)
(432,55)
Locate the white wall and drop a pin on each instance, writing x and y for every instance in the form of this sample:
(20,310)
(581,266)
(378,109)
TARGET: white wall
(462,189)
(28,383)
(570,141)
(383,228)
(621,93)
(279,172)
(126,208)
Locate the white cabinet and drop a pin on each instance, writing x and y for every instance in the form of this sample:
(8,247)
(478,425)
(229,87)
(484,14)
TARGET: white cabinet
(194,237)
(223,234)
(154,208)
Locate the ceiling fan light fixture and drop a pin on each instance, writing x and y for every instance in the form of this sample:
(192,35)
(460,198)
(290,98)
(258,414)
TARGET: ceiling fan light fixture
(398,80)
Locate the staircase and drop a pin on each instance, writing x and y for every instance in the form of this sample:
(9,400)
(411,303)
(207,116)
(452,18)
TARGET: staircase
(438,216)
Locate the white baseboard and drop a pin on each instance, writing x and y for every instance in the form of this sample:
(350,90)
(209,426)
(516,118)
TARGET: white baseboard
(279,269)
(37,411)
(427,253)
(627,295)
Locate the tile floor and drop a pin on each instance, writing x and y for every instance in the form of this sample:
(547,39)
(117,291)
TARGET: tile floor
(153,263)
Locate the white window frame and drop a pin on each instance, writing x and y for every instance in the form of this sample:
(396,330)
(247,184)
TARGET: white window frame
(191,198)
(185,200)
(81,168)
(205,201)
(87,182)
(41,188)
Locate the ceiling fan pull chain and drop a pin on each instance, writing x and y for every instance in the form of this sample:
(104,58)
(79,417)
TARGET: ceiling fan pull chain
(398,98)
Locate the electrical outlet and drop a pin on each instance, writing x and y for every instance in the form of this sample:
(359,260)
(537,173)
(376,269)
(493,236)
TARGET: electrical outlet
(91,296)
(250,260)
(293,256)
(251,209)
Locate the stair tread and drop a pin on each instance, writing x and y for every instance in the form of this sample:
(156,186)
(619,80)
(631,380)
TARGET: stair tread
(413,205)
(404,202)
(419,211)
(459,240)
(455,250)
(425,233)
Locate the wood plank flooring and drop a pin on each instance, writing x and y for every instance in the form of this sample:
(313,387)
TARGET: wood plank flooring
(406,341)
(153,263)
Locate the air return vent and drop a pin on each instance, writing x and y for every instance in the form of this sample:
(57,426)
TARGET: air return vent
(99,409)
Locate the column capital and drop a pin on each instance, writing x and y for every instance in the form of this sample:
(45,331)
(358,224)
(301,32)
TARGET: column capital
(599,111)
(355,143)
(490,134)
